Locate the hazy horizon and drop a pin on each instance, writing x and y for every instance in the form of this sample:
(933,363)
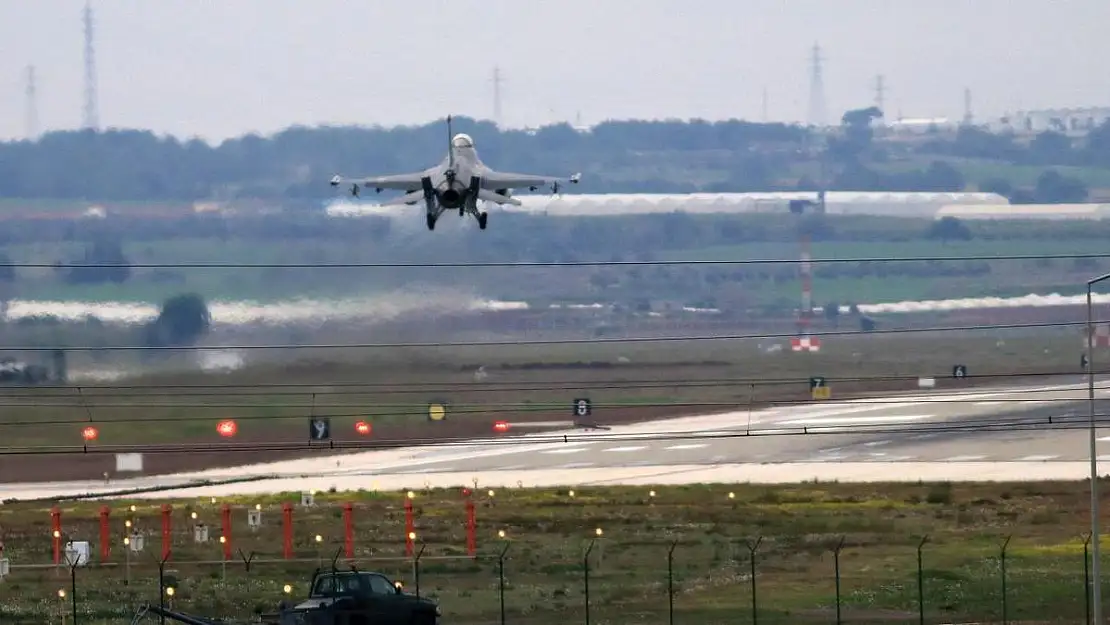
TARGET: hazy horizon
(222,70)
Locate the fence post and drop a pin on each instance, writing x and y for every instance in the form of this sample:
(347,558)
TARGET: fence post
(75,560)
(167,528)
(105,533)
(416,568)
(1002,558)
(921,581)
(349,530)
(752,548)
(836,566)
(162,586)
(670,582)
(410,526)
(586,577)
(56,533)
(1087,575)
(287,530)
(501,579)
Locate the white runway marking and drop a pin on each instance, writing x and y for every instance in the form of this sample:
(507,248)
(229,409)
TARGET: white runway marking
(1041,458)
(858,420)
(877,443)
(963,458)
(689,446)
(564,451)
(623,449)
(989,403)
(576,465)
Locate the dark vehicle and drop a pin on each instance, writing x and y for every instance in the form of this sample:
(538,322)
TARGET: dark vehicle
(356,598)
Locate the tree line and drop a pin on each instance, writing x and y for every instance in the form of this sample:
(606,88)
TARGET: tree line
(627,156)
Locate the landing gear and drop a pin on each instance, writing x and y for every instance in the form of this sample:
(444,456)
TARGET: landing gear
(431,221)
(482,220)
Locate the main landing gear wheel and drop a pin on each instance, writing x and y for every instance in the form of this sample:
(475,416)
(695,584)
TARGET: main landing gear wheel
(482,220)
(431,222)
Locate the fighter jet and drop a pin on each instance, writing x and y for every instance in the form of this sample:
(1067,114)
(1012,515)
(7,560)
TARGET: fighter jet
(458,182)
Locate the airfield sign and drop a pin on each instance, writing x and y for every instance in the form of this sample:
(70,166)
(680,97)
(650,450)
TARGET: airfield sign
(819,388)
(582,407)
(959,371)
(319,428)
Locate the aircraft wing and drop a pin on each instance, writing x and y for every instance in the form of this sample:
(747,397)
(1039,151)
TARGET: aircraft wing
(399,182)
(507,180)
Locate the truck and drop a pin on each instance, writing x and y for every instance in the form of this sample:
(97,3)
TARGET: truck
(355,598)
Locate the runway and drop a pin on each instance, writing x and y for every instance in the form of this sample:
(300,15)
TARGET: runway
(1037,432)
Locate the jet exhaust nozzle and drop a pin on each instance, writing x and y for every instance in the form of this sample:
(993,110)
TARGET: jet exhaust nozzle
(451,198)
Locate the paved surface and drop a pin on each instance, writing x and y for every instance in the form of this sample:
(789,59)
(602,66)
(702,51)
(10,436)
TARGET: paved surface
(1037,426)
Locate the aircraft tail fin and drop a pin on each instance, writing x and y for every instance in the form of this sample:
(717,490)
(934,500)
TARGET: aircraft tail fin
(450,148)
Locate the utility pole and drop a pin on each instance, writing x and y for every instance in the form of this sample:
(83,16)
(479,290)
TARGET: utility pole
(32,127)
(497,80)
(91,116)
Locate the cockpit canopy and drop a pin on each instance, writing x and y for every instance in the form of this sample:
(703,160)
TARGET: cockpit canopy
(462,141)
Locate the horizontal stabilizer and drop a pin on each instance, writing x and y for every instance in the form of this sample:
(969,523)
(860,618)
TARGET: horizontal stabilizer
(408,198)
(497,198)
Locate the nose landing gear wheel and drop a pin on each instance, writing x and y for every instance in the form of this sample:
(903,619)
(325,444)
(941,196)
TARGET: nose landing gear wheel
(431,222)
(482,220)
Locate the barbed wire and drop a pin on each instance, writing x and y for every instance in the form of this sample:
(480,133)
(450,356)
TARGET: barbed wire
(519,264)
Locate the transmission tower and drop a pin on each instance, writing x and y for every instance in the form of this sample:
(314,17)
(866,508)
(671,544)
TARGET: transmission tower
(32,129)
(969,117)
(497,80)
(91,117)
(816,89)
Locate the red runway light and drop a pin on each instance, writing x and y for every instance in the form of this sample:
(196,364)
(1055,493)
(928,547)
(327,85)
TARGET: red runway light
(500,426)
(362,427)
(90,433)
(227,428)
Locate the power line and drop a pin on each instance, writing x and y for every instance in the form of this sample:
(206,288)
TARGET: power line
(402,388)
(584,263)
(590,341)
(718,407)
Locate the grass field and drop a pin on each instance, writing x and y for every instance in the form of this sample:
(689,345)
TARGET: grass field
(547,533)
(393,388)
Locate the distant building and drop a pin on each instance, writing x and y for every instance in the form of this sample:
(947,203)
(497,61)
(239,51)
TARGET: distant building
(1071,121)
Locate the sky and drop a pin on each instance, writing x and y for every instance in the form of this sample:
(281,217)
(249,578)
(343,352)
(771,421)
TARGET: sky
(218,69)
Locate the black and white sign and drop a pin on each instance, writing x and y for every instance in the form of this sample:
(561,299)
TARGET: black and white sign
(1084,362)
(959,371)
(319,428)
(582,407)
(817,382)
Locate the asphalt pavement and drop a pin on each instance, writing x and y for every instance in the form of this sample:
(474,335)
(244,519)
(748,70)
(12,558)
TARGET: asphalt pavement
(918,433)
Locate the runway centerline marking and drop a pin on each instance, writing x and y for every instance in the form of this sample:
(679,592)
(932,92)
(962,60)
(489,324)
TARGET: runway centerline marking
(689,446)
(622,449)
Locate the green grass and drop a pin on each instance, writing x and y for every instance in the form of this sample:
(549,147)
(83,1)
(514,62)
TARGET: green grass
(977,171)
(548,532)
